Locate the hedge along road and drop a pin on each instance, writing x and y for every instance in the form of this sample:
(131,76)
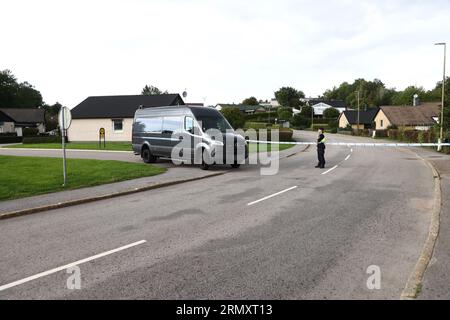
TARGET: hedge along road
(204,240)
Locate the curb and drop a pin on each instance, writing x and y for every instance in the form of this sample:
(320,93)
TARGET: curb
(70,203)
(414,283)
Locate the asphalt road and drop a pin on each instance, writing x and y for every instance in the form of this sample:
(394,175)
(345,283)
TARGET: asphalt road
(315,238)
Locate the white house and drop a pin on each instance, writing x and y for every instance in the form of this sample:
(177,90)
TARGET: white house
(320,106)
(113,113)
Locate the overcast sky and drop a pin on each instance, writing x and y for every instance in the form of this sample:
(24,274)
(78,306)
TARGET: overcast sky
(220,51)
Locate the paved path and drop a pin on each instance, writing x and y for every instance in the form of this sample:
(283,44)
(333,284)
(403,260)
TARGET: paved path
(303,233)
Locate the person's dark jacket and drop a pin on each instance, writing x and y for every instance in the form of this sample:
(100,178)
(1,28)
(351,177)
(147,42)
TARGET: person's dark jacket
(320,143)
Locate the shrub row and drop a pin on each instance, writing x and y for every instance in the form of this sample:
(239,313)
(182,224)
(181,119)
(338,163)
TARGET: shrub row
(42,139)
(10,139)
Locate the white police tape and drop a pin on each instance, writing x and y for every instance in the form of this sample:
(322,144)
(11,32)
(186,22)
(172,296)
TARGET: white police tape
(357,144)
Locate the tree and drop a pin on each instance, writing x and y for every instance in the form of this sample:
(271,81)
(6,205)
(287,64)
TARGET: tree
(331,113)
(301,122)
(405,97)
(306,111)
(234,117)
(289,97)
(151,91)
(284,113)
(252,101)
(371,93)
(17,95)
(51,115)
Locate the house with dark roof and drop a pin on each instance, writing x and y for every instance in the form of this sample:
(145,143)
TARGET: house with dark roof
(16,119)
(420,117)
(113,113)
(245,109)
(350,117)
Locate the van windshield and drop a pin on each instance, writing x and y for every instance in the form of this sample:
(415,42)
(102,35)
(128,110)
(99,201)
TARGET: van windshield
(213,122)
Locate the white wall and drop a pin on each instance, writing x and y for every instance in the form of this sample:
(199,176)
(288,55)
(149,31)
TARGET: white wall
(87,130)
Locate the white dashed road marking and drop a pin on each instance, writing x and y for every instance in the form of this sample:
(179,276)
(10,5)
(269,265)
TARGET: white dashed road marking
(272,195)
(330,170)
(73,264)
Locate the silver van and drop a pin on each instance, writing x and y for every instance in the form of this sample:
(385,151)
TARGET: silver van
(189,134)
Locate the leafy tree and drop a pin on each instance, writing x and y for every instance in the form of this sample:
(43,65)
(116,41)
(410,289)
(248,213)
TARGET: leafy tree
(252,101)
(234,117)
(151,91)
(299,121)
(331,113)
(371,93)
(306,112)
(284,113)
(405,97)
(289,97)
(51,115)
(17,95)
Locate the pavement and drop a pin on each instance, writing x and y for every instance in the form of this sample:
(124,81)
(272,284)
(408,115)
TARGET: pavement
(436,284)
(303,233)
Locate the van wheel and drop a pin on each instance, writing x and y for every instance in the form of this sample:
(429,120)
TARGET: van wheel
(235,165)
(147,156)
(204,165)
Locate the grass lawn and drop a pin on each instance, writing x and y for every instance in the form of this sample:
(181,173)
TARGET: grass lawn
(28,176)
(115,146)
(264,147)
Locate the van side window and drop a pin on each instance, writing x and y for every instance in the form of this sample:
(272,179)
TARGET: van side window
(172,124)
(149,125)
(189,124)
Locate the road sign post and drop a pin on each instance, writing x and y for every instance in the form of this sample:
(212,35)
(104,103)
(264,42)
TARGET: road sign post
(64,119)
(101,135)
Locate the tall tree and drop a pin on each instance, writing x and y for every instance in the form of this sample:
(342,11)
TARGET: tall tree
(151,91)
(252,101)
(17,95)
(289,97)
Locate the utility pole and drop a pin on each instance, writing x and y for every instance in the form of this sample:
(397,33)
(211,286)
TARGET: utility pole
(312,118)
(441,137)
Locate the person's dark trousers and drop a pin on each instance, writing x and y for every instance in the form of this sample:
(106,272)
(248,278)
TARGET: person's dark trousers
(321,156)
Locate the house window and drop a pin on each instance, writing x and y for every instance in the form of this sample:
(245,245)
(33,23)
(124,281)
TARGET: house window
(381,123)
(117,125)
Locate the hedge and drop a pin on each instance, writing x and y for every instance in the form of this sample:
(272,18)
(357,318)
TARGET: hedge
(42,139)
(10,139)
(284,135)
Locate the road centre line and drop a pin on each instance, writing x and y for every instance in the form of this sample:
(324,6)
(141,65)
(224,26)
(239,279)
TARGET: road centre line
(46,273)
(272,195)
(346,158)
(330,170)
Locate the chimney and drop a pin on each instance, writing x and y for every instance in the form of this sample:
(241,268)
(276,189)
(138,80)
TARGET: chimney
(416,101)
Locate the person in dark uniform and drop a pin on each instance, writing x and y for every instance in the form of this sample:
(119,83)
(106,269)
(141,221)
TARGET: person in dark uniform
(321,149)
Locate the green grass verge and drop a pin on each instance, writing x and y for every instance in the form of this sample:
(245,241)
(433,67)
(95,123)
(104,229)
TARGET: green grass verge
(113,146)
(264,147)
(29,176)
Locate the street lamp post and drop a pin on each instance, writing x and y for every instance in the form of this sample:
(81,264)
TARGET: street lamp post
(357,130)
(441,137)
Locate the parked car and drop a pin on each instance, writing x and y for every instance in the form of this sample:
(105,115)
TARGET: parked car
(188,134)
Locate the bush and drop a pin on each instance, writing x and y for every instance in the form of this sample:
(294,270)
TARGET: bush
(300,121)
(259,125)
(4,138)
(28,132)
(262,116)
(284,134)
(234,117)
(331,113)
(42,139)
